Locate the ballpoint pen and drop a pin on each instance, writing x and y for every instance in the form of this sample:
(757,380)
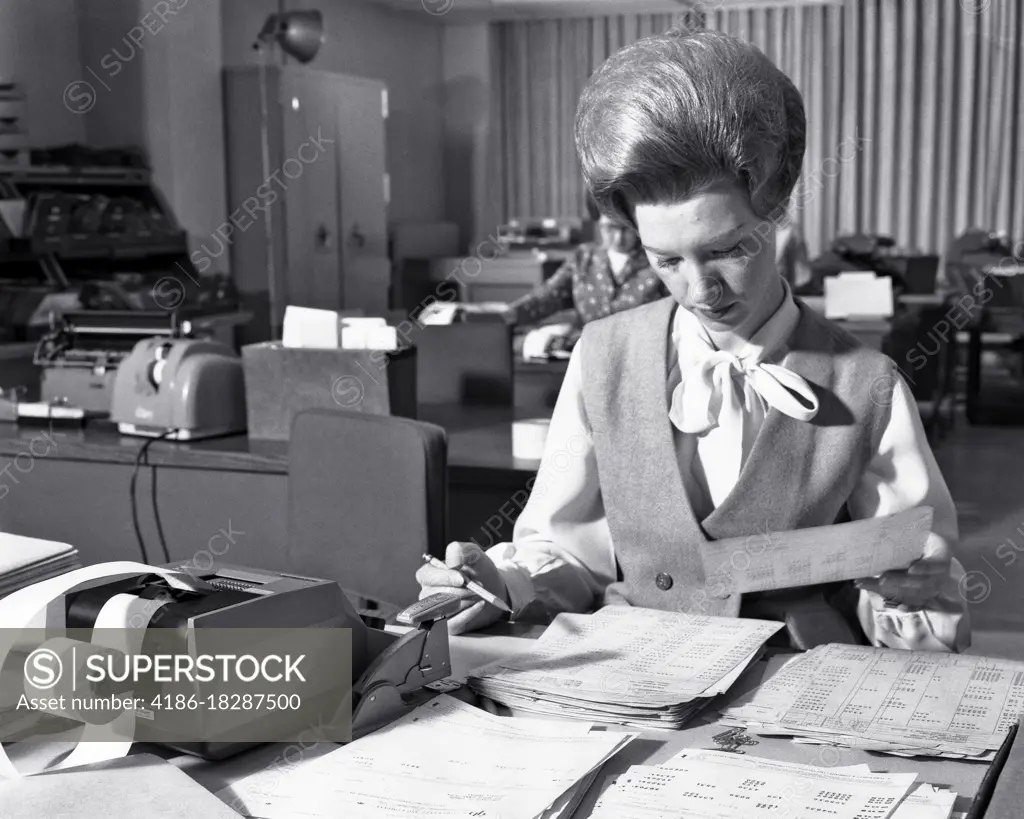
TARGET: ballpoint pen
(472,585)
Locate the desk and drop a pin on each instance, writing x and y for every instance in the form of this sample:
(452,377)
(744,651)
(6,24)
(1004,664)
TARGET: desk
(652,748)
(76,489)
(998,320)
(537,383)
(995,303)
(17,369)
(869,332)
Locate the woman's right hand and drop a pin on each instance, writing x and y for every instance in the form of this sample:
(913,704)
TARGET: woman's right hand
(465,561)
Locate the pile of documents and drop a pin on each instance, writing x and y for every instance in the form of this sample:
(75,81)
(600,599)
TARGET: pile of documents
(909,703)
(626,666)
(445,759)
(719,785)
(27,560)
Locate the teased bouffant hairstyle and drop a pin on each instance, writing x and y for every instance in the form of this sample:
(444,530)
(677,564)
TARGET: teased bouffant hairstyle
(673,114)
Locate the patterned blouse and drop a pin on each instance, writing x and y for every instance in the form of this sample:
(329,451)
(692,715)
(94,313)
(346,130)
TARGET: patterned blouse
(586,283)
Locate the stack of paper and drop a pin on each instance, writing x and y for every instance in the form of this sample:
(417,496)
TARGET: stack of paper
(445,759)
(718,785)
(626,666)
(27,560)
(909,703)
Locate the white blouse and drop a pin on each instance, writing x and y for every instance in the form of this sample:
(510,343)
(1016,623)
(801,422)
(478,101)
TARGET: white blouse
(562,552)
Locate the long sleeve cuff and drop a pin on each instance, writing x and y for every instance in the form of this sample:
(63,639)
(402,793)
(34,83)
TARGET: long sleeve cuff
(518,582)
(942,625)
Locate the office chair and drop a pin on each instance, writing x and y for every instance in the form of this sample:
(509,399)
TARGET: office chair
(367,496)
(920,274)
(924,347)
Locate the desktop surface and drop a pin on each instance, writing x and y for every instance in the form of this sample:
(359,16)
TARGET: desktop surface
(651,748)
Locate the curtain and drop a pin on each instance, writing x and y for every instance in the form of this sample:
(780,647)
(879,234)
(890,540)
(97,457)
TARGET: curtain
(541,68)
(915,126)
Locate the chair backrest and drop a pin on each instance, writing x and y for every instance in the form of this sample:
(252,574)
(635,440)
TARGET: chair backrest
(367,496)
(920,274)
(923,345)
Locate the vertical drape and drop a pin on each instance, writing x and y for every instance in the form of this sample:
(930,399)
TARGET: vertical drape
(914,108)
(541,68)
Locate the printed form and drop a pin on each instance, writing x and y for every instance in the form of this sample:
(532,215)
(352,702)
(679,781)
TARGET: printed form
(626,661)
(912,702)
(447,760)
(824,554)
(700,784)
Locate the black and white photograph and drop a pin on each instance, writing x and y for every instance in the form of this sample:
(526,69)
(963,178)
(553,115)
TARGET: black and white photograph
(514,409)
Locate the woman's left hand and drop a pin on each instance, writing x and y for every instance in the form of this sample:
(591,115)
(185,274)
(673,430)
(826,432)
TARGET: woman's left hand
(921,582)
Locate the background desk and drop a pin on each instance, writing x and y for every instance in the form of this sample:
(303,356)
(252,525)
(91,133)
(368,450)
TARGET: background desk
(77,490)
(17,369)
(537,383)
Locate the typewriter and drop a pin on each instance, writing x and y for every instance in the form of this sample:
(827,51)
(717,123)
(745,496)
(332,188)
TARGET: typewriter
(80,355)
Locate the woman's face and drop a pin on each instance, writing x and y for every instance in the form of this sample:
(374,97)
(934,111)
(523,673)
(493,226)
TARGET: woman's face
(615,236)
(716,257)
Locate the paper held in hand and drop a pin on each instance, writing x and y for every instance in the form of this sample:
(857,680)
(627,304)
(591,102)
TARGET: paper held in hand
(824,554)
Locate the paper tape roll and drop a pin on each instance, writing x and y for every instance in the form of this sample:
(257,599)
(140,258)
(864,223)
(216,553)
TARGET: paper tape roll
(529,437)
(21,609)
(106,740)
(73,657)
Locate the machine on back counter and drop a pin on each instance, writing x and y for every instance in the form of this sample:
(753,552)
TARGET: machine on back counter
(254,608)
(179,389)
(81,355)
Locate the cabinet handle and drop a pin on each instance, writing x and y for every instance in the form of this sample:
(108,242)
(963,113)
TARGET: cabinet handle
(323,237)
(357,238)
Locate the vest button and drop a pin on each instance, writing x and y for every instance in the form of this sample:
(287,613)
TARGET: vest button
(663,581)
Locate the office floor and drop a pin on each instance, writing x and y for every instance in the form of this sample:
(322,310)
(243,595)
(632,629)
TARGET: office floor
(984,468)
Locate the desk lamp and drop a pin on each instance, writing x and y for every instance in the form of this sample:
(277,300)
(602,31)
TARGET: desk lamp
(299,34)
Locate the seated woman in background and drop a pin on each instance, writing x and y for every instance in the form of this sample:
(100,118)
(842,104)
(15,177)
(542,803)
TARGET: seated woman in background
(602,278)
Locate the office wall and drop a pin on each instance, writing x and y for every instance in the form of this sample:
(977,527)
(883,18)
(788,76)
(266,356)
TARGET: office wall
(157,84)
(404,50)
(114,70)
(467,109)
(39,49)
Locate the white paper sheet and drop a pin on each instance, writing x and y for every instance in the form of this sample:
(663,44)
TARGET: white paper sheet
(310,328)
(858,294)
(716,785)
(926,802)
(630,659)
(445,759)
(824,554)
(914,702)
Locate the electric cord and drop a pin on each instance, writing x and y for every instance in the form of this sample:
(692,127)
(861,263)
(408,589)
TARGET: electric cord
(156,519)
(139,456)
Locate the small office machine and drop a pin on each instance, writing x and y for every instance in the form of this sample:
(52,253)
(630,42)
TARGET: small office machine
(543,233)
(179,388)
(389,671)
(82,352)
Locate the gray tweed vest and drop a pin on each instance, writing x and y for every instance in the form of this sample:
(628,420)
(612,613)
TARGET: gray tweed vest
(798,475)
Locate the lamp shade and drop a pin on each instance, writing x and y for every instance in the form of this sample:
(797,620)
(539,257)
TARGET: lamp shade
(299,33)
